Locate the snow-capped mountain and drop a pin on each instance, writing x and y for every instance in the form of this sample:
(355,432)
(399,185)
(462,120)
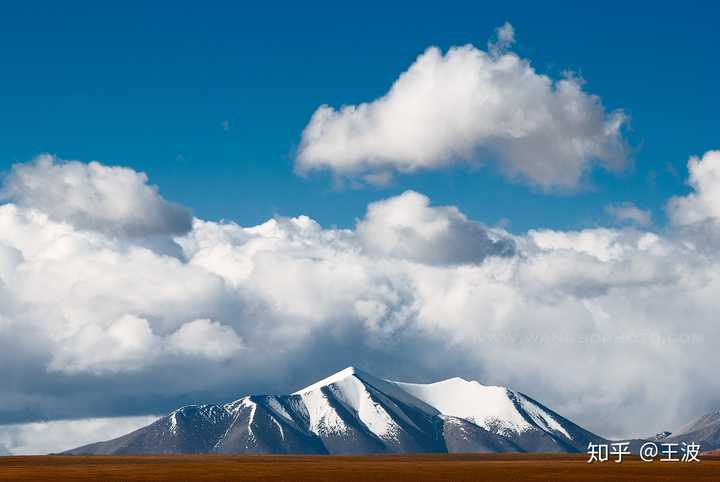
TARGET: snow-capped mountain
(704,431)
(353,412)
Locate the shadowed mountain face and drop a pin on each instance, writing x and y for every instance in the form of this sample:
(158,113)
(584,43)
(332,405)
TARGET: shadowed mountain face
(353,412)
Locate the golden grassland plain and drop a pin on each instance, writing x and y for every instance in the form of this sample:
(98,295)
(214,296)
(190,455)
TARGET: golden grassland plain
(455,467)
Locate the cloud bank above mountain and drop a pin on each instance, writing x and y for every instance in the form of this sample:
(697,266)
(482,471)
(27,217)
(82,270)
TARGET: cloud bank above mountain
(92,196)
(466,106)
(597,322)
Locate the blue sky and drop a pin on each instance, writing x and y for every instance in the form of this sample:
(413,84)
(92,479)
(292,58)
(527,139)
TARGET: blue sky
(151,86)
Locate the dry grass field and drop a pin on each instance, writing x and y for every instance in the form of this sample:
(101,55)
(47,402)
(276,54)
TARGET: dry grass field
(485,467)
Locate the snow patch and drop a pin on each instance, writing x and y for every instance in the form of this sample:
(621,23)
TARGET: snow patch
(277,407)
(279,426)
(541,417)
(335,377)
(322,416)
(354,395)
(489,407)
(234,407)
(349,388)
(173,423)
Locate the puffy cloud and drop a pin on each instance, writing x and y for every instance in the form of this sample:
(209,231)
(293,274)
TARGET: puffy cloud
(407,227)
(627,212)
(129,344)
(205,338)
(125,344)
(97,304)
(92,196)
(703,204)
(597,322)
(465,106)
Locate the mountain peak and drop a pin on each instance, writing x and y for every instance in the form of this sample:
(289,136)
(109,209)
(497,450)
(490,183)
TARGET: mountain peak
(459,381)
(334,378)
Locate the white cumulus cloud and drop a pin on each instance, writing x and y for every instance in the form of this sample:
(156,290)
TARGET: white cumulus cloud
(127,343)
(465,106)
(597,323)
(93,196)
(205,338)
(703,204)
(407,227)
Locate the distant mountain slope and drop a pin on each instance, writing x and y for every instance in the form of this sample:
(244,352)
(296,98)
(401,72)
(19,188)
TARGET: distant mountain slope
(704,431)
(353,412)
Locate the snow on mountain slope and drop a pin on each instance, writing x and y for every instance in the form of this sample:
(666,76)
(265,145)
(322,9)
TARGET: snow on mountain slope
(387,387)
(354,412)
(358,393)
(542,418)
(487,407)
(496,409)
(354,396)
(354,405)
(323,417)
(335,377)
